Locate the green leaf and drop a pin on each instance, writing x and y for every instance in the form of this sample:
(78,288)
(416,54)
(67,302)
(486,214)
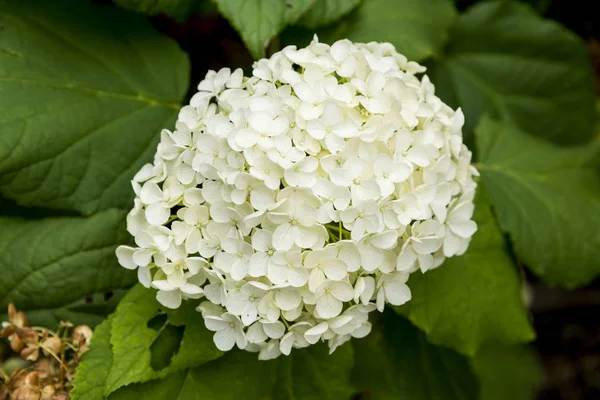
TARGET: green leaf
(259,21)
(294,9)
(85,94)
(418,29)
(236,375)
(397,362)
(92,371)
(314,374)
(166,343)
(506,60)
(51,263)
(131,339)
(508,372)
(305,375)
(474,298)
(180,9)
(324,12)
(130,343)
(90,310)
(547,198)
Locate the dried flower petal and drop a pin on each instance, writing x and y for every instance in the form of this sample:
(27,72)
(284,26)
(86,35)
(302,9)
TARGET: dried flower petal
(52,345)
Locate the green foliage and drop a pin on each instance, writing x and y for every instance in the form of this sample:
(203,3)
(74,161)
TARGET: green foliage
(397,362)
(94,367)
(180,9)
(308,374)
(84,94)
(547,198)
(90,310)
(55,262)
(505,60)
(418,29)
(324,12)
(236,375)
(130,341)
(259,21)
(512,372)
(453,303)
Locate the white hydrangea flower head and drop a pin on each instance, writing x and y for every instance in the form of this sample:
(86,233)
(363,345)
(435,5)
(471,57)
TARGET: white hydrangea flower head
(299,200)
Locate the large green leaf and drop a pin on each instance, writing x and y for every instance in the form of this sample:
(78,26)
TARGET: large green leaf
(84,93)
(418,29)
(259,21)
(324,12)
(51,263)
(474,298)
(507,372)
(506,60)
(131,340)
(397,362)
(547,198)
(308,374)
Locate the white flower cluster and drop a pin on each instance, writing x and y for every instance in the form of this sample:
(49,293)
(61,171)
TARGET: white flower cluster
(299,200)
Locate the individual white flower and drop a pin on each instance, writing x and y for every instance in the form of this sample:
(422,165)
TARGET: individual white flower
(267,171)
(296,225)
(298,200)
(460,228)
(228,331)
(418,249)
(264,329)
(244,301)
(303,173)
(358,175)
(235,258)
(364,288)
(362,219)
(159,201)
(294,337)
(388,173)
(392,288)
(262,243)
(269,351)
(375,251)
(323,265)
(330,296)
(189,230)
(286,268)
